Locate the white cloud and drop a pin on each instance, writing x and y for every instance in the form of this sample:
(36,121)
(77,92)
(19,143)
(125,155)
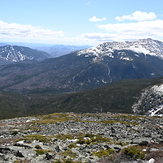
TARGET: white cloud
(138,16)
(17,31)
(95,19)
(27,33)
(122,32)
(112,32)
(127,31)
(146,27)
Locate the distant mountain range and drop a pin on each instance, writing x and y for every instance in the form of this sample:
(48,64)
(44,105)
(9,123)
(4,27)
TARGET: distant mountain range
(49,48)
(59,50)
(87,69)
(90,69)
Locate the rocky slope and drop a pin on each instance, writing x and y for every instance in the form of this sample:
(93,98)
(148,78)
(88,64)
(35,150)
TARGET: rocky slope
(81,138)
(150,101)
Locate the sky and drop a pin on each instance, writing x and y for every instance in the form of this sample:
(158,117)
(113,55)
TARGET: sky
(80,22)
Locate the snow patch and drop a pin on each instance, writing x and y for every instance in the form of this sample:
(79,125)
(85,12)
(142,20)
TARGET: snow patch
(104,81)
(126,58)
(150,101)
(140,49)
(154,111)
(152,160)
(11,54)
(158,89)
(72,140)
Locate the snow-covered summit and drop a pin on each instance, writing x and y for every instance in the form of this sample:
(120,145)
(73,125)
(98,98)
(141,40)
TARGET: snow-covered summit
(10,54)
(145,46)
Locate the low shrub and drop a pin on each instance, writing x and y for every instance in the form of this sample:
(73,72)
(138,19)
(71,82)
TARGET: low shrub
(41,151)
(68,153)
(134,152)
(72,145)
(102,153)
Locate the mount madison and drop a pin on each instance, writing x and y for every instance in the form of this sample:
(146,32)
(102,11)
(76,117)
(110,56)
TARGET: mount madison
(39,83)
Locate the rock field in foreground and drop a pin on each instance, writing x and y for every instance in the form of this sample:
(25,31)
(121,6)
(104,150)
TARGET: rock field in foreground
(69,137)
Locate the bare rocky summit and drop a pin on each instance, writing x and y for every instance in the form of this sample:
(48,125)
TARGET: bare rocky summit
(69,137)
(145,46)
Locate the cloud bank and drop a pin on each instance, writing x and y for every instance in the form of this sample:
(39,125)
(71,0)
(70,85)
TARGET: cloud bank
(147,26)
(128,31)
(135,30)
(138,16)
(18,31)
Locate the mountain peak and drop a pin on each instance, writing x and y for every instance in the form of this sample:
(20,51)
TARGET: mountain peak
(12,54)
(146,46)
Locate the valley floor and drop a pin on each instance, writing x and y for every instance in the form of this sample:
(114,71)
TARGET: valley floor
(74,138)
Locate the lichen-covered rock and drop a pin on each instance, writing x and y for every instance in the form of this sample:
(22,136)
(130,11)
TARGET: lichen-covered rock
(82,137)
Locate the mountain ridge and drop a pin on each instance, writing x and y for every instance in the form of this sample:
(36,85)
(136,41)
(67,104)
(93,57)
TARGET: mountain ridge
(132,96)
(76,72)
(145,46)
(59,50)
(79,71)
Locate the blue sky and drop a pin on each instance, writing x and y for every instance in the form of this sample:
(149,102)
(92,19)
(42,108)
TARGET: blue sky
(80,22)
